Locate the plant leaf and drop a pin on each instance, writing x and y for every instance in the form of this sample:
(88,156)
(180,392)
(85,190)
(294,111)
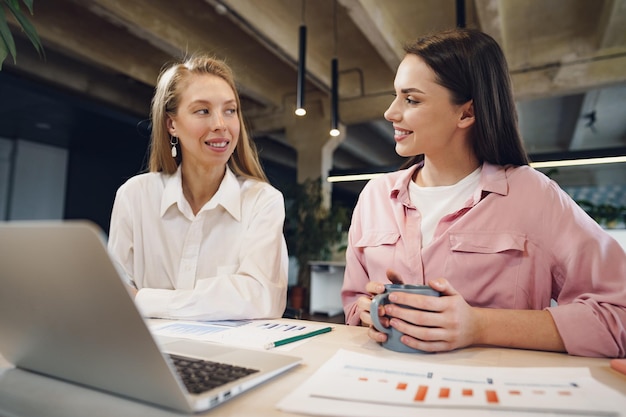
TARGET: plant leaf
(3,54)
(29,5)
(8,44)
(28,27)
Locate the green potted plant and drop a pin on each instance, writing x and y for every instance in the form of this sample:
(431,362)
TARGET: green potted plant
(312,232)
(609,214)
(7,43)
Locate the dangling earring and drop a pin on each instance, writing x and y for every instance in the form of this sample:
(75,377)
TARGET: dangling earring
(174,142)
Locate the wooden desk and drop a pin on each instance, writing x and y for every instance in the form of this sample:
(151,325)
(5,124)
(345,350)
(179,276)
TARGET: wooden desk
(28,395)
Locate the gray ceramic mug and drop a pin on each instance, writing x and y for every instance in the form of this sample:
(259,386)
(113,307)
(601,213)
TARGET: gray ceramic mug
(393,335)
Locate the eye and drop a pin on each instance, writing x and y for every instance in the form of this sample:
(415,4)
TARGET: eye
(410,101)
(231,112)
(202,111)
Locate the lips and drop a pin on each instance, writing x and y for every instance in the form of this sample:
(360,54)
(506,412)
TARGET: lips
(217,143)
(400,134)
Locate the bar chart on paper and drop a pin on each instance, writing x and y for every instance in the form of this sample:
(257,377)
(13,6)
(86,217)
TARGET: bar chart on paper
(353,378)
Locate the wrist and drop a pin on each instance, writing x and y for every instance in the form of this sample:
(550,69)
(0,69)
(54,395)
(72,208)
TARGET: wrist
(480,335)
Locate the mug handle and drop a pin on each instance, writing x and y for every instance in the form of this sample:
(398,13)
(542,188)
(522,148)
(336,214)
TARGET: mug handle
(378,300)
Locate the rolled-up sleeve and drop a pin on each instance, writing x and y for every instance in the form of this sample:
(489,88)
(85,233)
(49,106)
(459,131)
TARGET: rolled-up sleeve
(589,280)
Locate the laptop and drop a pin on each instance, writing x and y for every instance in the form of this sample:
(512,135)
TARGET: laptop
(66,313)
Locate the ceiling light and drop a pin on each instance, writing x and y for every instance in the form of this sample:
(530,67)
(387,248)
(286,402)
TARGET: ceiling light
(300,110)
(334,76)
(334,99)
(577,162)
(353,177)
(543,164)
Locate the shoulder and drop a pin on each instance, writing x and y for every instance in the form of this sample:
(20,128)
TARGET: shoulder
(256,189)
(388,183)
(529,179)
(531,187)
(526,173)
(143,179)
(141,183)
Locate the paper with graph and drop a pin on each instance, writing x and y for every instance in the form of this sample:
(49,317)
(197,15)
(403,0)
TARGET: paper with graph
(243,333)
(353,384)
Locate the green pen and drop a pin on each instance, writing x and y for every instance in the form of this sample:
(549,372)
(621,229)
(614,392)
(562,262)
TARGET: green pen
(296,338)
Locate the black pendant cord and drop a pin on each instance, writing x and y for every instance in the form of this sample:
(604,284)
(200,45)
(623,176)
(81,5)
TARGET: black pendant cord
(300,92)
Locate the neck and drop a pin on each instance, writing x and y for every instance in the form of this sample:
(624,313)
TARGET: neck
(200,184)
(436,173)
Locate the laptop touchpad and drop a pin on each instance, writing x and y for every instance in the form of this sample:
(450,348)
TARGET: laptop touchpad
(194,349)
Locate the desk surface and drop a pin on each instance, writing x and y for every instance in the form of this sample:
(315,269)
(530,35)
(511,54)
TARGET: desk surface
(28,395)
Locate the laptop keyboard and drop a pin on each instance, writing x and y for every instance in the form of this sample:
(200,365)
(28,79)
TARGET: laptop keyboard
(199,375)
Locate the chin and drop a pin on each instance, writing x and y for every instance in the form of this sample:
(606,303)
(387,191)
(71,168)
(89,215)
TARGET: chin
(403,152)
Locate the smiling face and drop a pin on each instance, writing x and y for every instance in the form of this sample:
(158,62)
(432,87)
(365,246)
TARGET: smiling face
(424,118)
(207,121)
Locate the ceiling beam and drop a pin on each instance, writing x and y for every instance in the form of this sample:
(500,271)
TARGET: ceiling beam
(377,26)
(69,27)
(490,19)
(570,77)
(186,29)
(613,19)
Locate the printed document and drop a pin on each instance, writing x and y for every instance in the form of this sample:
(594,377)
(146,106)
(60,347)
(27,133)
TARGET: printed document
(354,384)
(252,334)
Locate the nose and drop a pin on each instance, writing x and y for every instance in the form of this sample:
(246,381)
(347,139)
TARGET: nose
(217,122)
(391,114)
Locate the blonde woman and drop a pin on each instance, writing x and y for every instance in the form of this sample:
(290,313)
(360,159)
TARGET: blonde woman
(200,236)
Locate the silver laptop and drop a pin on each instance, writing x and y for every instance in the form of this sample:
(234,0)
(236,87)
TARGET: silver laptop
(65,313)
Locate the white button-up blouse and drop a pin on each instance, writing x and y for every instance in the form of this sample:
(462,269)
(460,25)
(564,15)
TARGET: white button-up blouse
(227,262)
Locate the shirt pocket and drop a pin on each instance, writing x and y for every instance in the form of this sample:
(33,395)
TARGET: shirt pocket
(379,251)
(374,239)
(486,268)
(495,242)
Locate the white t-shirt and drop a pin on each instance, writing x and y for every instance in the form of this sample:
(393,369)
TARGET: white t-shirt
(227,262)
(435,202)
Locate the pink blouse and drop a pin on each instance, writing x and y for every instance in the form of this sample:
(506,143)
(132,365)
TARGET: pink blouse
(519,242)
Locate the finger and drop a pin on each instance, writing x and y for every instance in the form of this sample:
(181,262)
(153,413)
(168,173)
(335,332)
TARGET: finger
(364,303)
(376,335)
(418,301)
(419,332)
(366,318)
(443,286)
(394,277)
(374,287)
(427,346)
(412,317)
(424,338)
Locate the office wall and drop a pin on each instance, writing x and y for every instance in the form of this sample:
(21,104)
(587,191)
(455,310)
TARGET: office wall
(6,148)
(32,180)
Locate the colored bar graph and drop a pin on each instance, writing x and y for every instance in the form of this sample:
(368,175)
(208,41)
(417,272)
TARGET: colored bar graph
(420,395)
(492,396)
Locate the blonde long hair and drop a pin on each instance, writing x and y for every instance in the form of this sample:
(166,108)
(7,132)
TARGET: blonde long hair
(172,80)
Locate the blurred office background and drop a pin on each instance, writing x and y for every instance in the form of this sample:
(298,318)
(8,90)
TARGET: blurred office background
(74,124)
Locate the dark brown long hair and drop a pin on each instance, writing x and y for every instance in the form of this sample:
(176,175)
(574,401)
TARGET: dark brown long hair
(471,65)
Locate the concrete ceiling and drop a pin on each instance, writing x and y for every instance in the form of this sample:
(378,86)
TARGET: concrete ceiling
(567,60)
